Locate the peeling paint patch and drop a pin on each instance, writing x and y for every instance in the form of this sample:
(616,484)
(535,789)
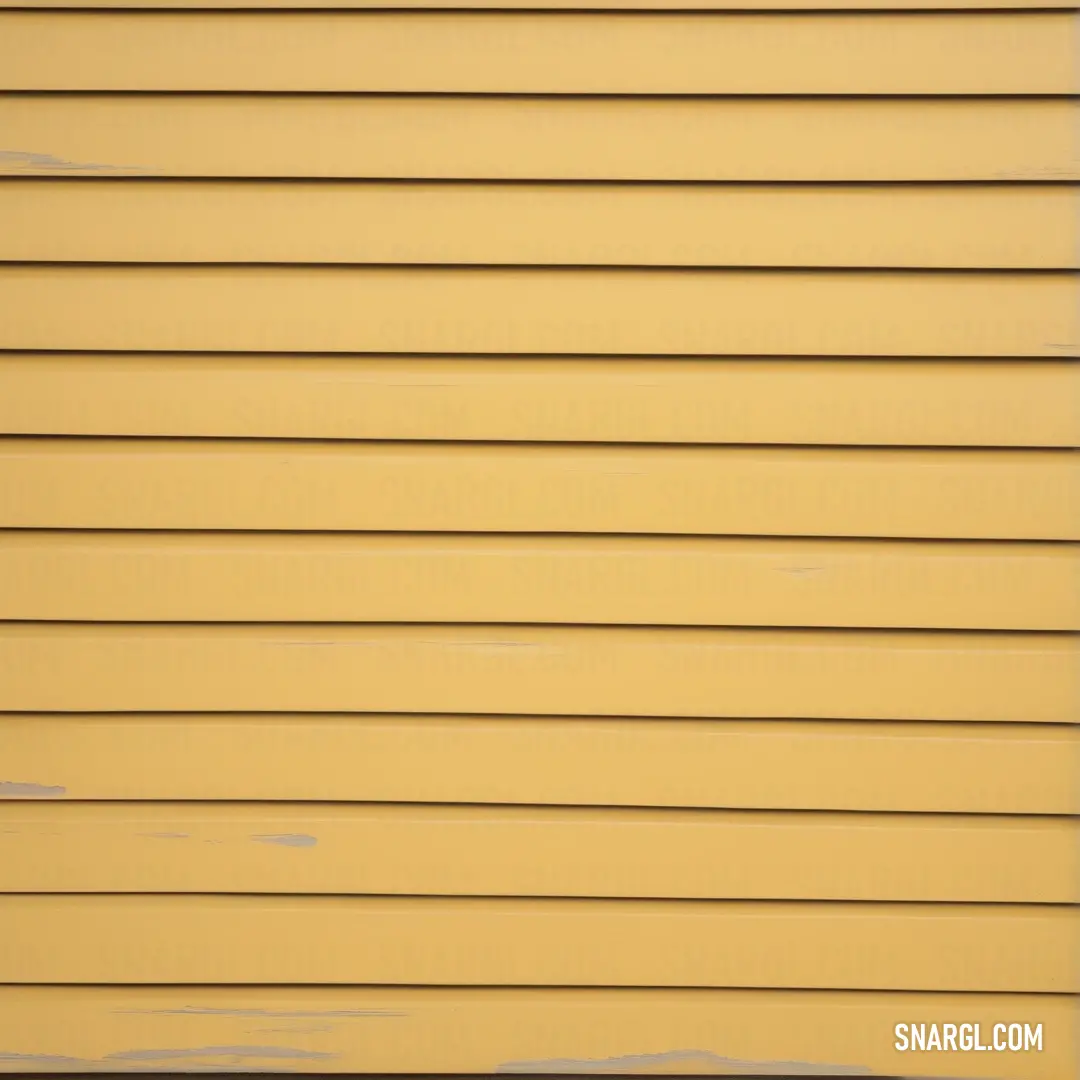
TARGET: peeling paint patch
(9,1056)
(26,159)
(338,644)
(277,1014)
(13,789)
(287,839)
(485,646)
(232,1069)
(1051,172)
(167,835)
(295,1030)
(220,1051)
(703,1061)
(59,1061)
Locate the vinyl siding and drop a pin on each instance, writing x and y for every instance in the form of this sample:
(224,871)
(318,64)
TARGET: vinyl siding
(538,541)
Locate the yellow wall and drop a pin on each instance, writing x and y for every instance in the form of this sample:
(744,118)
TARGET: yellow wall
(538,540)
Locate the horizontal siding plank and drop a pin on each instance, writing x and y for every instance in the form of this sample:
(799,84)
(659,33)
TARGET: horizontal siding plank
(220,577)
(1010,226)
(528,851)
(570,53)
(560,671)
(516,1030)
(331,940)
(481,310)
(207,484)
(537,138)
(809,765)
(1023,403)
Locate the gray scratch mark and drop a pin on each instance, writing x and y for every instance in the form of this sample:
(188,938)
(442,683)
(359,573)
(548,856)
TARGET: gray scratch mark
(706,1060)
(26,159)
(277,1014)
(802,569)
(167,835)
(291,839)
(220,1051)
(13,789)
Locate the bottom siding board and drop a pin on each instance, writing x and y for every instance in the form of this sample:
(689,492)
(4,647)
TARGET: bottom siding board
(531,851)
(814,765)
(482,1031)
(208,940)
(555,670)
